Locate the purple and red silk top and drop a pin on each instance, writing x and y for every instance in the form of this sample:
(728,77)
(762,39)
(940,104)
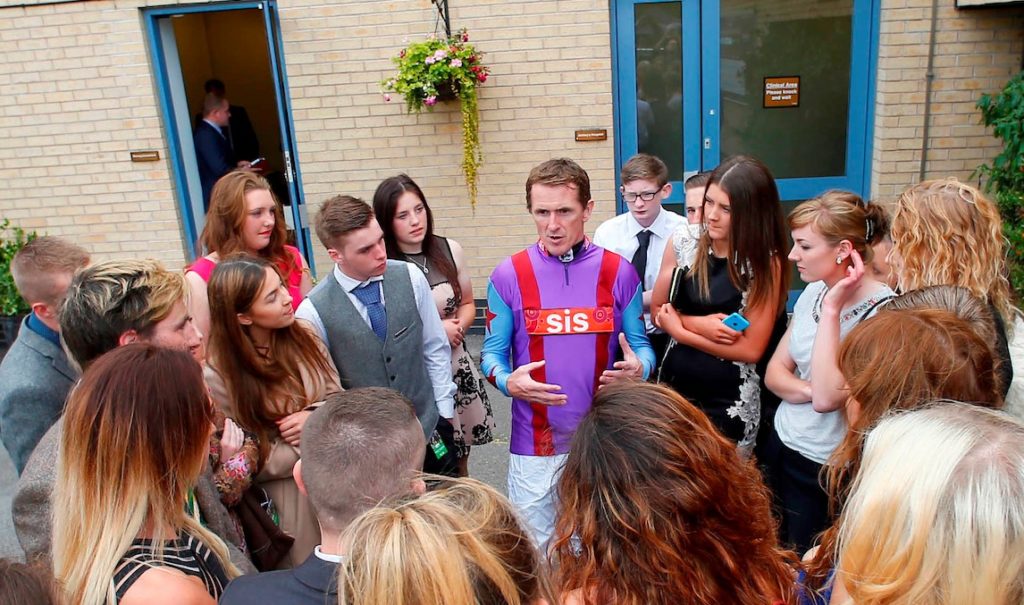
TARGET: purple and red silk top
(569,314)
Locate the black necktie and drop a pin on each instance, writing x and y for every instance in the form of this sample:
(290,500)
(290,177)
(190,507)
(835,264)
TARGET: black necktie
(640,256)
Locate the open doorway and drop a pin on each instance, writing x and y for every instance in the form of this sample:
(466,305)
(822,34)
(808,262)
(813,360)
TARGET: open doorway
(236,44)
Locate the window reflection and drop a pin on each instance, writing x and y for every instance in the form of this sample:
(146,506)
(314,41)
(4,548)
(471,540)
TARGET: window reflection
(766,38)
(659,83)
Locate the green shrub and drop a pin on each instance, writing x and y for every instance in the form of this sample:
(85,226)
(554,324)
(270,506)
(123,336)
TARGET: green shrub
(1004,113)
(12,239)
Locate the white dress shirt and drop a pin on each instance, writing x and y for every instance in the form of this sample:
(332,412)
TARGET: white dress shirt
(619,235)
(326,557)
(437,352)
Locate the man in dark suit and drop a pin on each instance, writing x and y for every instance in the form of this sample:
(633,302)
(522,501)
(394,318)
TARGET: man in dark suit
(360,447)
(241,134)
(213,149)
(35,375)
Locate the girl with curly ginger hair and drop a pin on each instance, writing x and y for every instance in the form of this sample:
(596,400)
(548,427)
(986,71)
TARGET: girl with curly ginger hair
(946,233)
(664,511)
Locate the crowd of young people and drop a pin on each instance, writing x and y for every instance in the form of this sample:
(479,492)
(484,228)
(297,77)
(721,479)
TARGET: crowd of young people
(235,419)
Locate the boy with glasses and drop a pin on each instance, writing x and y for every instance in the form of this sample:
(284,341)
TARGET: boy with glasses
(641,234)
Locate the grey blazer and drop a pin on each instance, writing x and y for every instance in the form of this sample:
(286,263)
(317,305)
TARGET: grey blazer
(35,378)
(31,505)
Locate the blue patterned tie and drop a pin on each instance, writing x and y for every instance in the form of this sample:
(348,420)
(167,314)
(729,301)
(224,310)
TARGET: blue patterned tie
(369,295)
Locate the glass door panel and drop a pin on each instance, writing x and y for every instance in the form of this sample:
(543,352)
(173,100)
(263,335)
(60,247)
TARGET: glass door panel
(659,83)
(658,86)
(785,84)
(789,82)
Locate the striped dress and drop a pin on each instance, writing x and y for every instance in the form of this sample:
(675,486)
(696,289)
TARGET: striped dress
(186,554)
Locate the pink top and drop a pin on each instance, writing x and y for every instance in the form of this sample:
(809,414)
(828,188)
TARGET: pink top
(203,267)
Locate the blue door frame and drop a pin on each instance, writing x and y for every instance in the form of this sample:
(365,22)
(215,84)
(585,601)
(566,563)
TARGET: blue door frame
(176,149)
(624,78)
(701,95)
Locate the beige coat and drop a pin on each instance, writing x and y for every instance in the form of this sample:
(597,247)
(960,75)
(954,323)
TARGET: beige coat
(296,514)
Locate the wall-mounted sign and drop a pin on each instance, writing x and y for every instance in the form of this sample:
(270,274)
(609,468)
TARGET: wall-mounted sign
(145,156)
(782,91)
(593,134)
(970,3)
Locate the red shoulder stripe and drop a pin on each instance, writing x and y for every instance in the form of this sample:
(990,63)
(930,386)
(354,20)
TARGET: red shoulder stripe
(605,297)
(529,291)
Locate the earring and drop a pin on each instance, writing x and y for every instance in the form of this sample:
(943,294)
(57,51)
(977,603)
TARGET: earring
(839,260)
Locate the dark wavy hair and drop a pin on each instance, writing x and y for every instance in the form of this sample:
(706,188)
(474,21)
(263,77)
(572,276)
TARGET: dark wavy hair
(658,508)
(385,201)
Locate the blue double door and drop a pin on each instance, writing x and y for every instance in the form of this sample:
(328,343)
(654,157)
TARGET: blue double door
(787,81)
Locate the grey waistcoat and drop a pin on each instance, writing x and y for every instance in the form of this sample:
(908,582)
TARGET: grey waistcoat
(362,359)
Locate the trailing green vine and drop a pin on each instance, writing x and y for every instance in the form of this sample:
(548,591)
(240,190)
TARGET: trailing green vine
(471,156)
(439,69)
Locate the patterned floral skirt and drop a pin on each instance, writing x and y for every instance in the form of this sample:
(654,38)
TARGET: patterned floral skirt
(475,424)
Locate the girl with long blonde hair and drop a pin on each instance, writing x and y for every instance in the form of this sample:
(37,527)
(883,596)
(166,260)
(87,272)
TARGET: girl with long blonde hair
(460,544)
(936,514)
(135,439)
(267,372)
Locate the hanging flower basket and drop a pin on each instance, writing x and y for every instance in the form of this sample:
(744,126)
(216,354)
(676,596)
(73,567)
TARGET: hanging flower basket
(443,69)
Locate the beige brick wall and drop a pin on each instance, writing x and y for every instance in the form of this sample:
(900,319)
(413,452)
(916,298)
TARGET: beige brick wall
(551,74)
(976,52)
(77,94)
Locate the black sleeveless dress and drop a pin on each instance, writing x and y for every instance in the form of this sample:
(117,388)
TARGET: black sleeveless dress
(729,392)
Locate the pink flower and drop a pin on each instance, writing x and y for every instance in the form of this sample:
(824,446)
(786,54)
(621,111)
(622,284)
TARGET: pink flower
(431,100)
(387,97)
(401,55)
(440,54)
(456,62)
(481,77)
(430,60)
(465,37)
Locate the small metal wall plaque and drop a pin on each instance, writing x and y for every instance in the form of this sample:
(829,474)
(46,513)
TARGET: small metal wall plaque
(592,134)
(145,156)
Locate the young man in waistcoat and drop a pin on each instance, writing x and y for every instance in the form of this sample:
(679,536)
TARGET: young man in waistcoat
(379,322)
(561,310)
